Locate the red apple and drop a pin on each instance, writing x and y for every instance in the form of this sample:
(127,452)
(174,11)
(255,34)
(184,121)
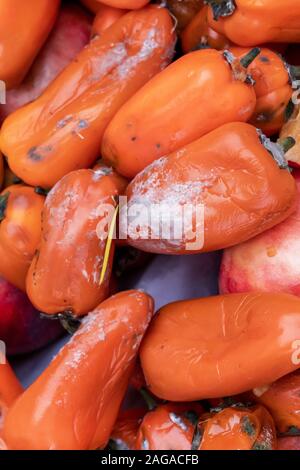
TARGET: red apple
(21,327)
(70,34)
(269,262)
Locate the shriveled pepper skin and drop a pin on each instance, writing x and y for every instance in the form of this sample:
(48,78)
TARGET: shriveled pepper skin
(64,275)
(10,389)
(20,231)
(282,398)
(198,34)
(273,88)
(105,17)
(254,22)
(24,27)
(231,183)
(194,89)
(238,429)
(62,130)
(74,403)
(169,427)
(221,346)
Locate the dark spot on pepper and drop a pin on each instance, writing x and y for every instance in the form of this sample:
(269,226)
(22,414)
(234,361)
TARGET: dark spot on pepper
(247,426)
(158,146)
(83,124)
(264,59)
(133,139)
(34,155)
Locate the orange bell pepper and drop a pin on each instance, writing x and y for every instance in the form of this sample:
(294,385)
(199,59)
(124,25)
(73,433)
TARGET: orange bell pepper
(62,130)
(238,428)
(292,128)
(198,89)
(74,403)
(249,22)
(20,231)
(25,26)
(198,34)
(10,389)
(273,88)
(169,427)
(184,11)
(105,17)
(221,346)
(64,275)
(228,180)
(282,398)
(124,434)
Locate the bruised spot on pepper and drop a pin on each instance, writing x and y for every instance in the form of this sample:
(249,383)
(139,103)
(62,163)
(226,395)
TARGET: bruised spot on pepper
(265,116)
(247,426)
(83,124)
(133,138)
(34,155)
(157,146)
(264,59)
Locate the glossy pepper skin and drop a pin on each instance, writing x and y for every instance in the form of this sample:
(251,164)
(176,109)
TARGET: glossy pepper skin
(126,4)
(10,389)
(252,22)
(105,17)
(238,428)
(229,180)
(123,436)
(74,403)
(194,89)
(62,130)
(209,342)
(169,427)
(292,128)
(282,398)
(20,231)
(198,34)
(64,275)
(273,88)
(25,26)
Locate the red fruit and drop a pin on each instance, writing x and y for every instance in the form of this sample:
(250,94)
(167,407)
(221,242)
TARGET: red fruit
(269,262)
(70,34)
(21,327)
(288,443)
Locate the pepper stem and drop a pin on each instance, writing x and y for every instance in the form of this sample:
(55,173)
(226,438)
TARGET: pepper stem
(221,8)
(294,71)
(3,205)
(150,401)
(287,143)
(250,57)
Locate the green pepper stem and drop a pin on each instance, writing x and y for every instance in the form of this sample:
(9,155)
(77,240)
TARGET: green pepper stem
(250,57)
(150,401)
(287,143)
(221,8)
